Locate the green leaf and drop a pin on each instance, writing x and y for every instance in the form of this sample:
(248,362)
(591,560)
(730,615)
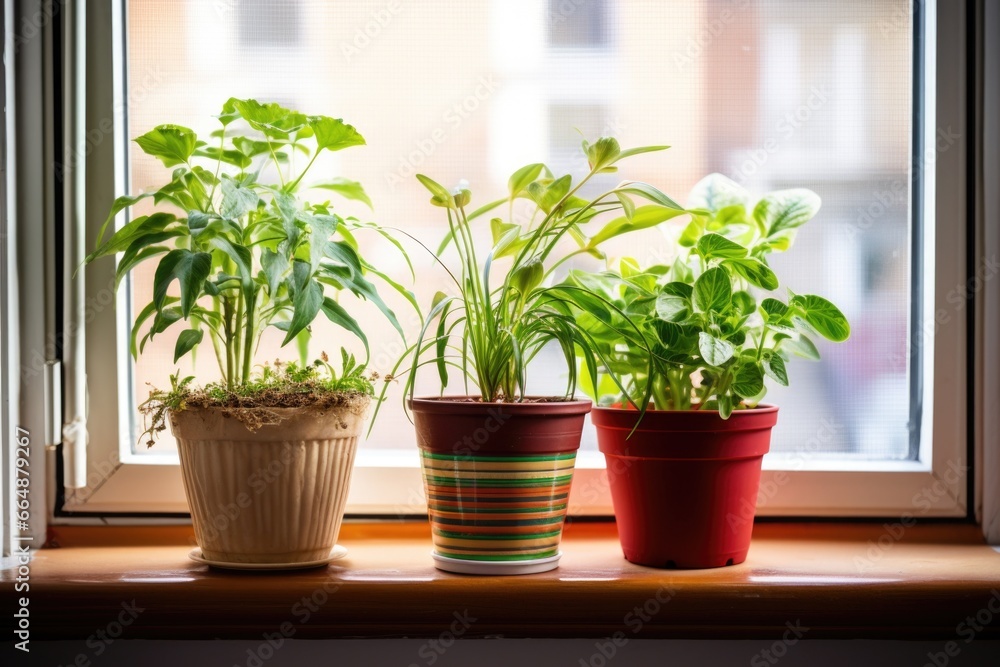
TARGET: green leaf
(725,402)
(648,192)
(117,207)
(272,119)
(692,231)
(130,260)
(715,192)
(346,188)
(190,269)
(602,153)
(275,267)
(186,342)
(823,316)
(774,366)
(644,217)
(440,195)
(678,288)
(243,259)
(629,152)
(520,179)
(333,134)
(140,319)
(237,200)
(671,308)
(716,246)
(227,155)
(714,351)
(786,209)
(756,272)
(339,316)
(713,290)
(172,144)
(748,381)
(136,229)
(306,306)
(803,347)
(744,303)
(548,194)
(527,276)
(774,310)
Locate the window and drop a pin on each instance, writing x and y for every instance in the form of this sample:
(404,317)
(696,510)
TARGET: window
(838,96)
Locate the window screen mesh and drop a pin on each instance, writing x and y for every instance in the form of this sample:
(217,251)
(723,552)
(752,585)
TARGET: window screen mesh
(773,93)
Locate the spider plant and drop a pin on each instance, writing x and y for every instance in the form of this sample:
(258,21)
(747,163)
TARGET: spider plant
(505,309)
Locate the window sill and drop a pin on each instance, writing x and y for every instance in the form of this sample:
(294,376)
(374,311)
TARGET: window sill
(833,579)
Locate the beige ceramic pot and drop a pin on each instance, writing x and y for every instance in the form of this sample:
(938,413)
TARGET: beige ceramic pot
(274,495)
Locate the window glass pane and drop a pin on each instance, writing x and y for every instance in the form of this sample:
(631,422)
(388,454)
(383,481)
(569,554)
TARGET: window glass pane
(773,93)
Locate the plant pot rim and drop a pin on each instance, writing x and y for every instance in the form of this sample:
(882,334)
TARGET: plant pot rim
(462,405)
(762,408)
(679,421)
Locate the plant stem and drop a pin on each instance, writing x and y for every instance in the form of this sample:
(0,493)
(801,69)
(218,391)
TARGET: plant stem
(248,343)
(295,183)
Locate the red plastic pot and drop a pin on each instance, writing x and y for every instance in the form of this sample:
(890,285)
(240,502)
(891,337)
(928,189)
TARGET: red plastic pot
(497,477)
(684,485)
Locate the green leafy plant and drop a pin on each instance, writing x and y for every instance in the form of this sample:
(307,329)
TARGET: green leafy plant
(706,329)
(238,249)
(505,311)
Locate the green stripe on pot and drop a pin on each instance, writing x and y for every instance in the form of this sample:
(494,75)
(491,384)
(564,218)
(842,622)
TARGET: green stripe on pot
(501,459)
(515,483)
(458,535)
(476,522)
(528,491)
(499,557)
(492,510)
(513,499)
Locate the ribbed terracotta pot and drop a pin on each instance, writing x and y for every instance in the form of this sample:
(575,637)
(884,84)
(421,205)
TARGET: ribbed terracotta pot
(274,495)
(497,477)
(684,484)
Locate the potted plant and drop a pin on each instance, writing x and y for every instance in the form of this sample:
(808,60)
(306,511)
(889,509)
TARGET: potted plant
(498,463)
(707,332)
(266,452)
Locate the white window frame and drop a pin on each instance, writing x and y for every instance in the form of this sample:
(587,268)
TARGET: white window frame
(389,482)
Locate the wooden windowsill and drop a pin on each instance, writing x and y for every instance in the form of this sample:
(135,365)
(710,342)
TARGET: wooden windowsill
(837,580)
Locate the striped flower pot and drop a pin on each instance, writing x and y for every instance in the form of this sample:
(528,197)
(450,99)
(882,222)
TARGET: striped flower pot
(274,496)
(497,478)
